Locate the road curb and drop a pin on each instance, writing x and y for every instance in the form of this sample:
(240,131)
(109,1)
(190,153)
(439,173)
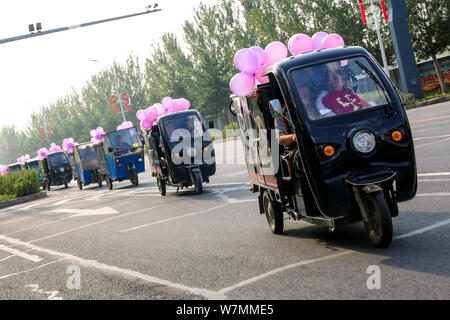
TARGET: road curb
(21,200)
(428,102)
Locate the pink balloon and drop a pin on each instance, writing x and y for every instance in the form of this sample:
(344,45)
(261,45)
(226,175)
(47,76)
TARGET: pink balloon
(146,124)
(159,107)
(317,39)
(259,53)
(186,104)
(152,114)
(93,133)
(242,84)
(332,41)
(246,61)
(261,79)
(141,114)
(178,104)
(275,52)
(100,130)
(300,43)
(167,102)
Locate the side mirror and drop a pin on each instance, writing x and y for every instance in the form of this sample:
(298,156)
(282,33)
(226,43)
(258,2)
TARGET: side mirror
(276,110)
(110,149)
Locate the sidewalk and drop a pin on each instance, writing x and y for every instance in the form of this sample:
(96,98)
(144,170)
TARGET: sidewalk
(428,102)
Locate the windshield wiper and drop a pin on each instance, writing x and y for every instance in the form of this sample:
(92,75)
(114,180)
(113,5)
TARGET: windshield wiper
(391,111)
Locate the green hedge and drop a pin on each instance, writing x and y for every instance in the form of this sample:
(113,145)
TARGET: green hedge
(19,184)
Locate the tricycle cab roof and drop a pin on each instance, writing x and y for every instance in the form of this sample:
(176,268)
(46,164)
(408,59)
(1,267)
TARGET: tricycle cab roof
(179,114)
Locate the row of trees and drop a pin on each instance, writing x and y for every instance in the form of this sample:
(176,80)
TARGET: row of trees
(200,65)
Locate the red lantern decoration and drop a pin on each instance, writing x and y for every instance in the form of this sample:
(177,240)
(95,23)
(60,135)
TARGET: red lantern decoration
(114,100)
(363,13)
(383,5)
(41,131)
(125,98)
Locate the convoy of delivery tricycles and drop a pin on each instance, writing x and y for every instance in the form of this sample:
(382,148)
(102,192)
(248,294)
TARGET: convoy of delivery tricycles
(326,140)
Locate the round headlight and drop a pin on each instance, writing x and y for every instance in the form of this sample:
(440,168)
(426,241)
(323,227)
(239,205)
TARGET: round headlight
(191,152)
(61,169)
(364,141)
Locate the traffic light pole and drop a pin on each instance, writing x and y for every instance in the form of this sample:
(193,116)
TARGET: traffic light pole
(41,33)
(116,81)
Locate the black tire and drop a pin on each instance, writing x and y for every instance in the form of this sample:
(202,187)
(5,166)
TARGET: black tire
(80,185)
(66,185)
(380,228)
(48,186)
(161,185)
(274,214)
(109,183)
(198,182)
(100,183)
(134,178)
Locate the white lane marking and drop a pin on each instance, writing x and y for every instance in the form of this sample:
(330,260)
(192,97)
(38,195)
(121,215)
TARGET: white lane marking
(97,222)
(435,174)
(220,194)
(104,267)
(38,226)
(29,270)
(237,173)
(433,180)
(21,254)
(436,194)
(432,137)
(17,220)
(174,218)
(224,291)
(88,212)
(425,229)
(52,295)
(431,143)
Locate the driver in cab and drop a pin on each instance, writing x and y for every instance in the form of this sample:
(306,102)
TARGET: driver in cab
(121,146)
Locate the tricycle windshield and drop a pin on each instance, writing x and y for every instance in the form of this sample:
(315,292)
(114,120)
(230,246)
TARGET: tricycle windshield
(340,87)
(181,127)
(33,165)
(125,140)
(57,159)
(86,153)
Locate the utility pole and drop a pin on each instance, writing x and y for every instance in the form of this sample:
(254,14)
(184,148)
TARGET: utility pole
(380,38)
(404,51)
(150,9)
(116,81)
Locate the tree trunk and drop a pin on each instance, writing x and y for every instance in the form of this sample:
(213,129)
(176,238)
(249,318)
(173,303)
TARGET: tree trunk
(439,74)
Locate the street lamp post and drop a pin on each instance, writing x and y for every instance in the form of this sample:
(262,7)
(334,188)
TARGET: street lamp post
(150,9)
(116,81)
(380,38)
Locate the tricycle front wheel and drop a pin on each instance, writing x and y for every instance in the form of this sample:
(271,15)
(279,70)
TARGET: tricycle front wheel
(161,185)
(380,220)
(109,183)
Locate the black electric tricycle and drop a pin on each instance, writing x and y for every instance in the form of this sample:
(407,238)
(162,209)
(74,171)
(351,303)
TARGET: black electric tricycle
(352,154)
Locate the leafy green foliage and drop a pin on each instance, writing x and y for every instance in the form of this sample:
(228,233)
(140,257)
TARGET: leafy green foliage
(19,184)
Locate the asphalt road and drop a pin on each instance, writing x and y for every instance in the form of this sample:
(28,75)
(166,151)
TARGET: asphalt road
(131,243)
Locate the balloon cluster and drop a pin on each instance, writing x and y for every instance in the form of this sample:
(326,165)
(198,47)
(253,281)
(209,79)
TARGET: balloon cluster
(125,125)
(97,135)
(253,61)
(42,153)
(149,116)
(23,159)
(54,148)
(4,170)
(68,145)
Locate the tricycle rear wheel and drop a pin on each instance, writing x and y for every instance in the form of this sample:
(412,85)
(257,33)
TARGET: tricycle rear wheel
(161,185)
(80,185)
(109,183)
(380,225)
(274,214)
